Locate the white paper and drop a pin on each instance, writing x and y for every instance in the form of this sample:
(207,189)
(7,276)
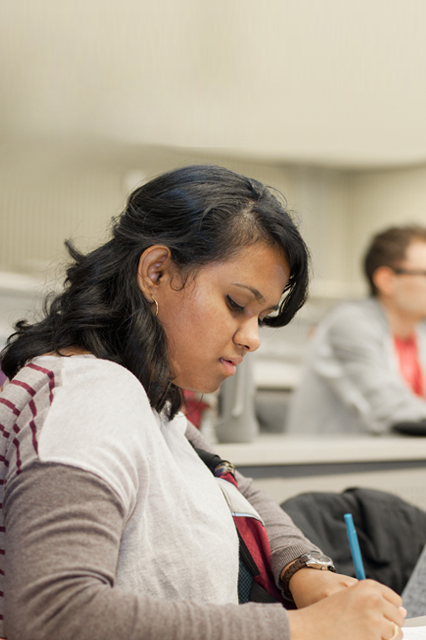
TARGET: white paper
(414,633)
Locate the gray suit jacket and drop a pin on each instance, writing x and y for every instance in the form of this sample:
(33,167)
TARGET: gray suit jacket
(350,380)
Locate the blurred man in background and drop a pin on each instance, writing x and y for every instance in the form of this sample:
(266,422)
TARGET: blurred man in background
(365,368)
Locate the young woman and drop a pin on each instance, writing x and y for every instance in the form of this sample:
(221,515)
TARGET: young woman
(113,525)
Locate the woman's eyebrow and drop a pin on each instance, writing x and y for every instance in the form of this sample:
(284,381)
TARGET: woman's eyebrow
(256,294)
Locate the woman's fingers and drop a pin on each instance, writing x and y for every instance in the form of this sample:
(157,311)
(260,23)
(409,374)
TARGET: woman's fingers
(385,603)
(387,592)
(396,633)
(393,614)
(364,611)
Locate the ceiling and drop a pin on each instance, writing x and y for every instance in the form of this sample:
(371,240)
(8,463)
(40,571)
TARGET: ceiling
(328,82)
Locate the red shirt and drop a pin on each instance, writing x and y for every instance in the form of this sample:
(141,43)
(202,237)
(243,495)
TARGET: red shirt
(193,408)
(409,363)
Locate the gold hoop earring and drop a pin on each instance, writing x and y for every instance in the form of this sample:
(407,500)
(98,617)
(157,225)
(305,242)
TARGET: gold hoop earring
(156,305)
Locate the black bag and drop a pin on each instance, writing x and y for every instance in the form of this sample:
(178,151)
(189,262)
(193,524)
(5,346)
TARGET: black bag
(391,532)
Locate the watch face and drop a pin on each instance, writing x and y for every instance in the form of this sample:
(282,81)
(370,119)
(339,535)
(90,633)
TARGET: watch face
(316,559)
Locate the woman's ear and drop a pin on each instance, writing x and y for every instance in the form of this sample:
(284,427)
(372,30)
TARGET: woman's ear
(154,270)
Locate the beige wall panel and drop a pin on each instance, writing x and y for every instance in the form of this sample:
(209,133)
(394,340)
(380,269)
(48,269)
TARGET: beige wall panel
(50,192)
(378,199)
(46,197)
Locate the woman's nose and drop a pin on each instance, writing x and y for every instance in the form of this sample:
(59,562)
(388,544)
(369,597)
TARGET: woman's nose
(247,336)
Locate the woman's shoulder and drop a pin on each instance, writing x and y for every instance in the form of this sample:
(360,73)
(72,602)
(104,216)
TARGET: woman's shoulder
(79,386)
(101,384)
(95,415)
(81,369)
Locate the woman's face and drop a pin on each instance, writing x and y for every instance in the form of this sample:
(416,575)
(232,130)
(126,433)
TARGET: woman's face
(213,321)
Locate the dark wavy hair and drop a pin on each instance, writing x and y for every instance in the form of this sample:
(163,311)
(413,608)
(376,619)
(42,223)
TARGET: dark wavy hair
(387,249)
(203,214)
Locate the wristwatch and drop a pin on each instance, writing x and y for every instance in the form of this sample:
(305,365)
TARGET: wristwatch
(313,560)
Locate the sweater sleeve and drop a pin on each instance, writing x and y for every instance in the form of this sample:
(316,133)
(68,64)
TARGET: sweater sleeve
(63,532)
(286,540)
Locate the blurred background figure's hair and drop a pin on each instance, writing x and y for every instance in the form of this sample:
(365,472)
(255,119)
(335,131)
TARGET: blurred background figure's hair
(387,249)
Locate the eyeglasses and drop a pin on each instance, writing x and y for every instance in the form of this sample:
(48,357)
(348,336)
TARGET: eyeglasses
(408,272)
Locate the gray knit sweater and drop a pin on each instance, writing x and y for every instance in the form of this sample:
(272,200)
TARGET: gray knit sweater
(113,527)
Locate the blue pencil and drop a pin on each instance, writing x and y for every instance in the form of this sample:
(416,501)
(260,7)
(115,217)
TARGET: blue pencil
(354,545)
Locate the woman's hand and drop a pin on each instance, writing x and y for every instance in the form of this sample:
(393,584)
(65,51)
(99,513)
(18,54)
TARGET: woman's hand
(308,586)
(365,610)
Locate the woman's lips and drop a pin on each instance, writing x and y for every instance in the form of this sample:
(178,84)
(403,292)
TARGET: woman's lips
(230,366)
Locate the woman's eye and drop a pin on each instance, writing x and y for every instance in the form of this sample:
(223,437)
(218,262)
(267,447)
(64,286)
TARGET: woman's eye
(233,305)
